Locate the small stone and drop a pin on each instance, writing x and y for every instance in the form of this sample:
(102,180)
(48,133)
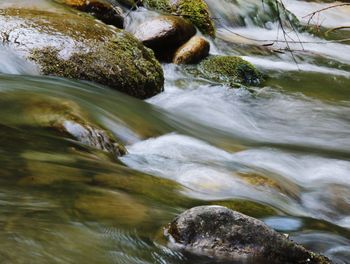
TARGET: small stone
(194,50)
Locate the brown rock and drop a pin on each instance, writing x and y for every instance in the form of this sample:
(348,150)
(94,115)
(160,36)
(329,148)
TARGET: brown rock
(194,50)
(165,32)
(100,9)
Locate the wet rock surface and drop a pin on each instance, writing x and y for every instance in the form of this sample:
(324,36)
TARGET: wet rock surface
(100,9)
(79,47)
(165,32)
(219,232)
(192,51)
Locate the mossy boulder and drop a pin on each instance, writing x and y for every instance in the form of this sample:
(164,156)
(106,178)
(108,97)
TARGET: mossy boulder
(76,46)
(231,70)
(196,11)
(101,9)
(219,232)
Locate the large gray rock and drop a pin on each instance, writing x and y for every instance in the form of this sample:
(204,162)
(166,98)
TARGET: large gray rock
(66,44)
(220,232)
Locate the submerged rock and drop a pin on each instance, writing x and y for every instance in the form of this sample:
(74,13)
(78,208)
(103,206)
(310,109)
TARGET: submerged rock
(68,119)
(192,51)
(195,10)
(63,118)
(231,70)
(165,32)
(100,9)
(117,206)
(217,231)
(79,47)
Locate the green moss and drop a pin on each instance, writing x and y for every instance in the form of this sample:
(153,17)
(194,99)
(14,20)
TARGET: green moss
(194,10)
(198,13)
(161,5)
(232,70)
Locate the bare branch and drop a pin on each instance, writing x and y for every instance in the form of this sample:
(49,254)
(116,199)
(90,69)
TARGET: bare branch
(311,15)
(336,28)
(272,41)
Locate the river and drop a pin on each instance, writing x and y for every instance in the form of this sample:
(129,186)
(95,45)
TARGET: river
(280,153)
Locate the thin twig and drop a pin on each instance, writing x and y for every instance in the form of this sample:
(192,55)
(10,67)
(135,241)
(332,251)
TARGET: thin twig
(284,41)
(311,15)
(285,34)
(291,24)
(336,28)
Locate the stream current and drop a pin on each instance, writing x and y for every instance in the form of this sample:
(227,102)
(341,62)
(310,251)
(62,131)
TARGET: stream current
(280,153)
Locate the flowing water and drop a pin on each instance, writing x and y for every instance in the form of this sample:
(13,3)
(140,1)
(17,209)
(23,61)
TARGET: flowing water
(280,153)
